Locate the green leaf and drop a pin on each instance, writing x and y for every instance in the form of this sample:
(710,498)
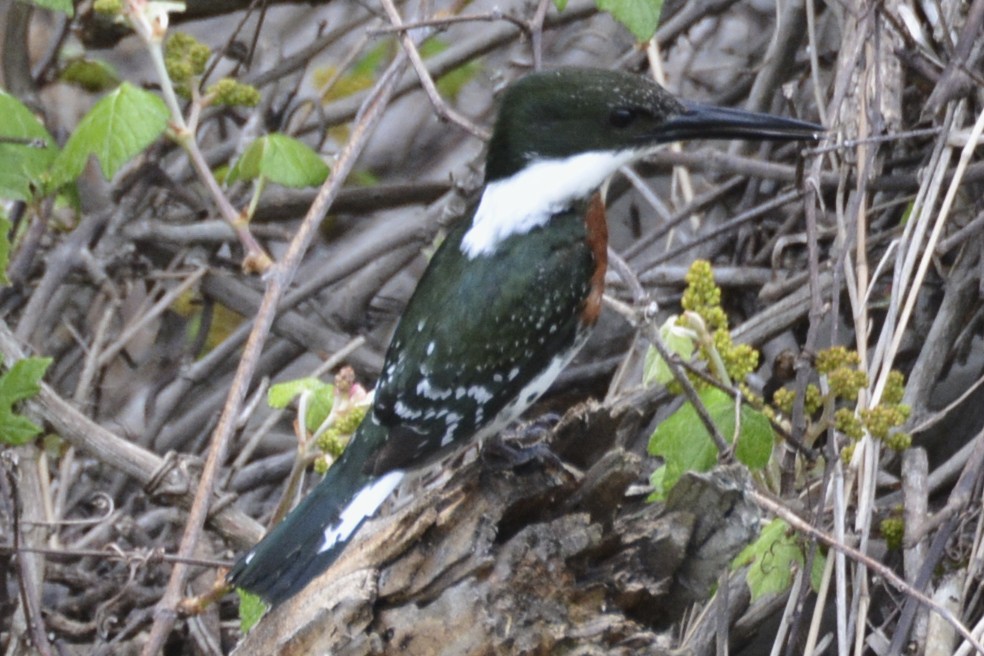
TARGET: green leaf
(4,246)
(685,445)
(561,5)
(773,559)
(64,6)
(26,150)
(115,130)
(678,340)
(251,609)
(320,401)
(280,159)
(21,381)
(756,439)
(640,16)
(16,430)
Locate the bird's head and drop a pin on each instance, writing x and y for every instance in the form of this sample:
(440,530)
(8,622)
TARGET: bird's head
(562,113)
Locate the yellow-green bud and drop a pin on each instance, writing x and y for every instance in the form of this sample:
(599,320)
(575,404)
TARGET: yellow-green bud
(332,442)
(230,92)
(883,418)
(184,57)
(894,387)
(836,356)
(893,530)
(845,382)
(814,399)
(899,441)
(848,423)
(783,399)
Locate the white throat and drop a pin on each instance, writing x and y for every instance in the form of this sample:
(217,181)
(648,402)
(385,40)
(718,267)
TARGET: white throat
(528,198)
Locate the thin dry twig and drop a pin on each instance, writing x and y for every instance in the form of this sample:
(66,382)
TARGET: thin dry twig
(278,279)
(442,109)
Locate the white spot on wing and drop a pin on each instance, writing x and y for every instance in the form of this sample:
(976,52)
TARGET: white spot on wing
(529,197)
(533,389)
(479,393)
(403,411)
(365,503)
(425,389)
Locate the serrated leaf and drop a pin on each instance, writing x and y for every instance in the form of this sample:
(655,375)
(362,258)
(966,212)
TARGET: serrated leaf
(756,439)
(16,430)
(678,340)
(772,559)
(280,159)
(640,16)
(251,609)
(21,381)
(116,129)
(320,401)
(64,6)
(685,445)
(26,150)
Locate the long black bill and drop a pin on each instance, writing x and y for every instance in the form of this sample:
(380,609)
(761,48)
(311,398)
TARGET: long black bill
(707,122)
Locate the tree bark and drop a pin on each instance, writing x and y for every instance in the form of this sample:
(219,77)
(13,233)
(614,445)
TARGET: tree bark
(538,558)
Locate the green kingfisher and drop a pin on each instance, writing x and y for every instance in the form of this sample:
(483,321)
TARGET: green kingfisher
(506,302)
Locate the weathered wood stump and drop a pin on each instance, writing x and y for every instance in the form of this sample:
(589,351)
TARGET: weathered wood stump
(535,559)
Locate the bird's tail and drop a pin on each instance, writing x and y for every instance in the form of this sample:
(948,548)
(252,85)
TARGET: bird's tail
(315,533)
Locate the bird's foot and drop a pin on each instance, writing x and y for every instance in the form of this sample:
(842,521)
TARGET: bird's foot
(524,446)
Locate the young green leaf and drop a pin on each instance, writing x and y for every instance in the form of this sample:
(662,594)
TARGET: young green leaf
(26,150)
(251,609)
(21,381)
(685,445)
(320,400)
(773,559)
(115,130)
(678,340)
(640,16)
(280,159)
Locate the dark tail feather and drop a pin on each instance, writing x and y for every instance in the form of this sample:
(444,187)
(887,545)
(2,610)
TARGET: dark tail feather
(315,533)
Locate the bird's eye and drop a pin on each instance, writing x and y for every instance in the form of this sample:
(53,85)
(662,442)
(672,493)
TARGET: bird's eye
(621,117)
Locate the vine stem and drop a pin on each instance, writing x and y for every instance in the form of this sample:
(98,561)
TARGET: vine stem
(151,27)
